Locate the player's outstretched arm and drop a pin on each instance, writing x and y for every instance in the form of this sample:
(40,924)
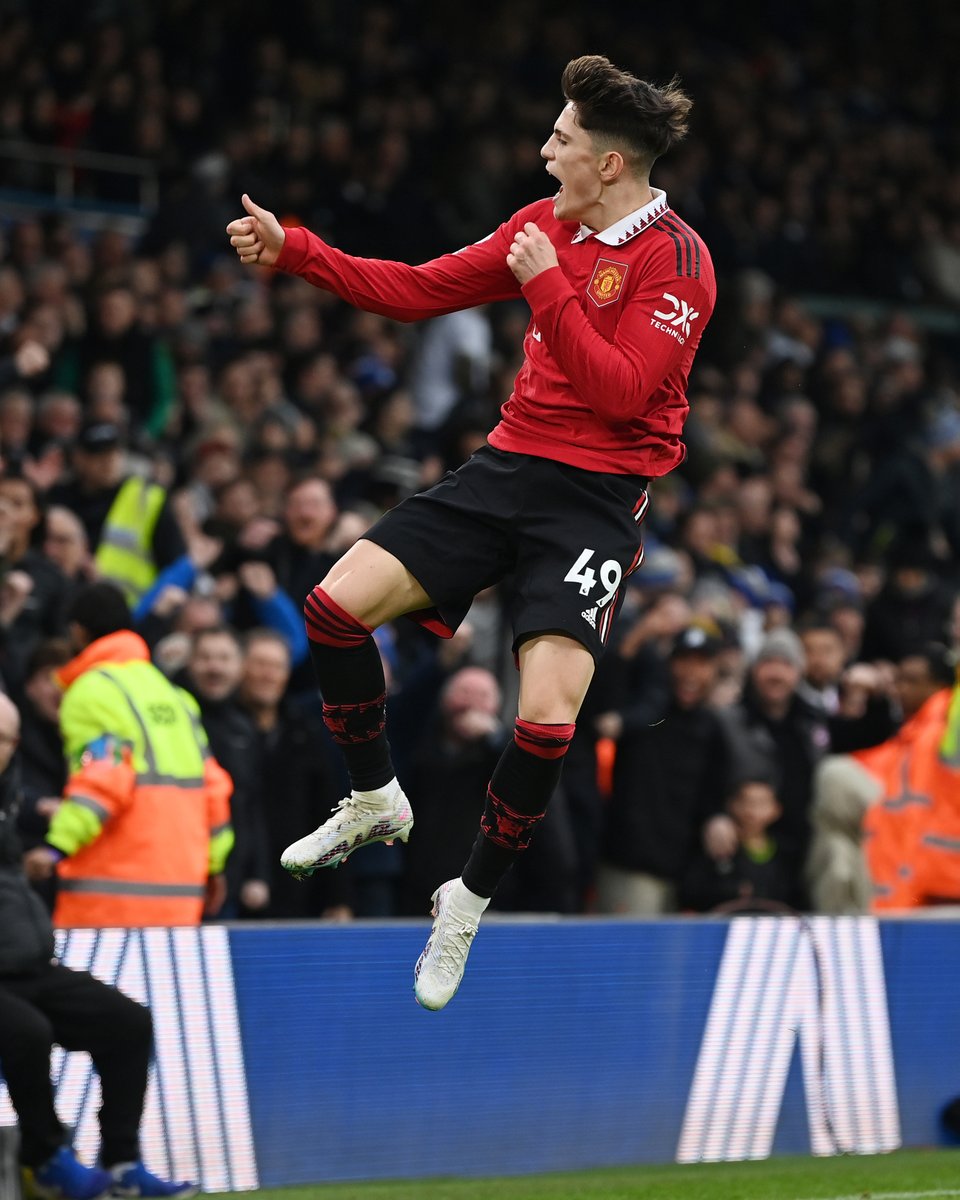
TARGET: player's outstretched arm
(477,274)
(258,237)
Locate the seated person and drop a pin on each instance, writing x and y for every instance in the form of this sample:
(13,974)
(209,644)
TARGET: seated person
(42,1002)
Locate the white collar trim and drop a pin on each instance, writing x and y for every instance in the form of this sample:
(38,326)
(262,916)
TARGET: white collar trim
(632,224)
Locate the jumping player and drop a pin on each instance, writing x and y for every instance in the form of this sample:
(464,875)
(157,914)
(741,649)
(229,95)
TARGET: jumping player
(620,290)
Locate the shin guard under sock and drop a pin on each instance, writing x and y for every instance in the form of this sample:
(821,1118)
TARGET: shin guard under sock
(522,784)
(350,674)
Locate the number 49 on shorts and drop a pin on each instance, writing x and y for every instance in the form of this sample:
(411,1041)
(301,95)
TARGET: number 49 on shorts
(583,574)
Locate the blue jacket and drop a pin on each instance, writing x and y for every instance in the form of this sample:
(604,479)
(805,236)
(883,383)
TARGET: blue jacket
(276,612)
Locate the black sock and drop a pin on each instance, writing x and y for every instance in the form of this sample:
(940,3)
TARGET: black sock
(523,781)
(350,674)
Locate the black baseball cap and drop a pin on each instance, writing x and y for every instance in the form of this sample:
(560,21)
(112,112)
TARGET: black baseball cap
(100,435)
(696,640)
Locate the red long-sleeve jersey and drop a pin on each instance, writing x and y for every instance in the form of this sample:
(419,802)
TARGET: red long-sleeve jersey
(612,335)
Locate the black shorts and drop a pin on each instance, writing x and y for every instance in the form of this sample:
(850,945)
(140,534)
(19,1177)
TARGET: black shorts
(566,539)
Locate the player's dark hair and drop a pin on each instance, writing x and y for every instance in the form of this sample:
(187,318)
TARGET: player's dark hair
(614,104)
(99,609)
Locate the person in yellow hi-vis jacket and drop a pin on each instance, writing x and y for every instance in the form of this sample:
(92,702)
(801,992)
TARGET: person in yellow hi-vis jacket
(129,521)
(143,833)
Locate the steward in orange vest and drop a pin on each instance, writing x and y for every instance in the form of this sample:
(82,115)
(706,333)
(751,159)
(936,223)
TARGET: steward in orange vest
(145,821)
(912,833)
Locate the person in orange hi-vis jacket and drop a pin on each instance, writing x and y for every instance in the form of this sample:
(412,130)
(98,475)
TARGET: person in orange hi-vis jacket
(143,833)
(912,832)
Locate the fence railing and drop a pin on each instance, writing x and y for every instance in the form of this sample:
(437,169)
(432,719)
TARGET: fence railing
(935,318)
(58,172)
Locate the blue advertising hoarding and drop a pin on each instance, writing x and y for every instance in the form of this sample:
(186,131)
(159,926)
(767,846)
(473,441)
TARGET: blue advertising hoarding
(297,1054)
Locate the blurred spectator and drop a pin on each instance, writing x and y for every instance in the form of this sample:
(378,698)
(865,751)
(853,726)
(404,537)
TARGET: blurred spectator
(756,870)
(128,520)
(825,659)
(140,366)
(41,1002)
(452,365)
(912,833)
(28,360)
(213,675)
(146,811)
(856,700)
(631,675)
(899,800)
(59,420)
(43,770)
(846,615)
(449,778)
(192,614)
(913,606)
(914,494)
(298,789)
(300,554)
(32,589)
(775,735)
(836,871)
(667,781)
(66,545)
(244,583)
(822,486)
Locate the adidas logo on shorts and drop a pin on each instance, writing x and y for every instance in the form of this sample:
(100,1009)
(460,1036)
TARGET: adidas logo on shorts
(590,616)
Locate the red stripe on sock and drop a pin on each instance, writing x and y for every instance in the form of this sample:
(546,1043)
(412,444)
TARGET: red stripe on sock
(545,741)
(330,624)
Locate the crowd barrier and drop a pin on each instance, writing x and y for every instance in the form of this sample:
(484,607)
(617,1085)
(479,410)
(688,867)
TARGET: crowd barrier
(297,1054)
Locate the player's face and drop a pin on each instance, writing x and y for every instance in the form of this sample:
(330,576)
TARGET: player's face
(573,161)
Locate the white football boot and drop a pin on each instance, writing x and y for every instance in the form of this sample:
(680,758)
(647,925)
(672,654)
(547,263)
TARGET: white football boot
(440,967)
(358,820)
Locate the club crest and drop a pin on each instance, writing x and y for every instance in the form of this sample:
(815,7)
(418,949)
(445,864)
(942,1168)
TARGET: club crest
(607,281)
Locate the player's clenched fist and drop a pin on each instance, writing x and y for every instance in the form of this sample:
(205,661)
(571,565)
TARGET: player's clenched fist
(531,252)
(258,237)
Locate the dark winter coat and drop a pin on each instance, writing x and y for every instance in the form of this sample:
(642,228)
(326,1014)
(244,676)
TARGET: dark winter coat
(298,793)
(667,782)
(26,935)
(784,752)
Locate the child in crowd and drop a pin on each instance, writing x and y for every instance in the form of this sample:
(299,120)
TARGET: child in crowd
(755,872)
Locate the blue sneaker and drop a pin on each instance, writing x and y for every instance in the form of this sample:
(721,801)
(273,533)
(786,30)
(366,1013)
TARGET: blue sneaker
(133,1179)
(63,1177)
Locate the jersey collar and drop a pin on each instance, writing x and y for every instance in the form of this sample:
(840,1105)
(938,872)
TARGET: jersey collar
(632,224)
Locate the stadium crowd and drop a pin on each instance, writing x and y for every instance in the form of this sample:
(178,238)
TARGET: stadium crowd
(799,605)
